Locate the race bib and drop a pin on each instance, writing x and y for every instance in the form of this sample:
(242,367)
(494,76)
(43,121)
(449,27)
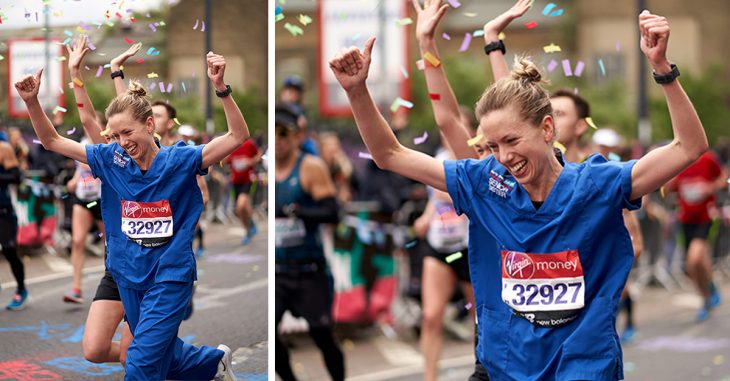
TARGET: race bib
(149,224)
(546,289)
(240,164)
(448,232)
(290,232)
(88,188)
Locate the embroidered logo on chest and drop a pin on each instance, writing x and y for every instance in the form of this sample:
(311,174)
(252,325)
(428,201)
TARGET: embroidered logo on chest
(499,185)
(120,159)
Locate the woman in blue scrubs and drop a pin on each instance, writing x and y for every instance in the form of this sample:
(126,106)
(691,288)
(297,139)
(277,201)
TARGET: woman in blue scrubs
(550,253)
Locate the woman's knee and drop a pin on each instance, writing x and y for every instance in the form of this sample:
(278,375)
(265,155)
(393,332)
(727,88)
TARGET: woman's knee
(96,352)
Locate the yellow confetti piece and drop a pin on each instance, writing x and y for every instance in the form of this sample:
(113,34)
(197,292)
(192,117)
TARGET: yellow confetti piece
(61,58)
(453,257)
(78,82)
(432,59)
(2,57)
(293,29)
(501,36)
(475,140)
(152,75)
(559,146)
(162,23)
(552,48)
(106,132)
(589,120)
(470,14)
(157,136)
(176,121)
(91,204)
(661,192)
(304,20)
(404,22)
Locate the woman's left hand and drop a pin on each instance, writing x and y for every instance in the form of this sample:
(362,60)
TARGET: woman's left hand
(654,31)
(216,69)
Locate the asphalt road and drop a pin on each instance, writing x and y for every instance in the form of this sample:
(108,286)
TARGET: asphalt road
(43,341)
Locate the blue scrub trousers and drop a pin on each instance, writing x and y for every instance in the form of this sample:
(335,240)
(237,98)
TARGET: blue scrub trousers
(156,353)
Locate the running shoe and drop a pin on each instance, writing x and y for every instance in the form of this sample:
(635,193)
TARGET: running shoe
(628,335)
(73,296)
(225,370)
(18,301)
(703,314)
(715,298)
(200,252)
(249,234)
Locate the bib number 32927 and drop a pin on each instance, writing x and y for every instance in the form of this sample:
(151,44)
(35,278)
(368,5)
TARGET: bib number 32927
(149,224)
(546,289)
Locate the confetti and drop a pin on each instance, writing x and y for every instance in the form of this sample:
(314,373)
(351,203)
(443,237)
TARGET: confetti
(549,7)
(468,306)
(501,36)
(434,96)
(454,3)
(2,57)
(128,41)
(79,105)
(183,86)
(420,65)
(446,36)
(404,72)
(305,20)
(559,146)
(196,24)
(470,14)
(566,68)
(465,43)
(453,257)
(404,22)
(432,59)
(169,87)
(411,244)
(139,60)
(152,75)
(478,33)
(557,13)
(36,141)
(162,87)
(552,48)
(279,17)
(202,28)
(293,29)
(475,140)
(78,82)
(579,68)
(618,46)
(98,71)
(590,122)
(71,131)
(531,24)
(152,52)
(603,68)
(91,204)
(58,109)
(420,139)
(398,102)
(364,155)
(552,65)
(176,121)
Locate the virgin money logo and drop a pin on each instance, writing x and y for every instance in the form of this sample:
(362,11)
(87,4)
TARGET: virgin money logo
(519,265)
(131,209)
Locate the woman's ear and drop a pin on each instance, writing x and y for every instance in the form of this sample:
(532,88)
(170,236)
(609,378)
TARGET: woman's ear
(548,128)
(150,124)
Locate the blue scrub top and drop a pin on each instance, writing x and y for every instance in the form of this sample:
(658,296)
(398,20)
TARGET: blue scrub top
(583,212)
(170,180)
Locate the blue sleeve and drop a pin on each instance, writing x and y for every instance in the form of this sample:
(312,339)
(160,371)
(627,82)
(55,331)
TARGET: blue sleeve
(191,157)
(614,178)
(93,158)
(461,179)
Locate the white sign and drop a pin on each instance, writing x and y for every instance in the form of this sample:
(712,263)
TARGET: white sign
(26,56)
(346,23)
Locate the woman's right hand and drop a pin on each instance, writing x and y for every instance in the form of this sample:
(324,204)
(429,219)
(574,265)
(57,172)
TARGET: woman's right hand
(119,60)
(429,17)
(351,66)
(494,27)
(29,86)
(76,54)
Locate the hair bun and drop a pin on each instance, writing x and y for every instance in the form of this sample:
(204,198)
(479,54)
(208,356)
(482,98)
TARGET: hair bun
(136,89)
(526,70)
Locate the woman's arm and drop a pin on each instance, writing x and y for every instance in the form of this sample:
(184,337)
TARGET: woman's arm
(690,141)
(351,71)
(443,101)
(494,27)
(87,114)
(28,88)
(116,65)
(222,146)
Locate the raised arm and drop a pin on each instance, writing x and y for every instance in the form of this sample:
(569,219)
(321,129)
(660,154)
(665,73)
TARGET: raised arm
(87,114)
(351,71)
(116,65)
(222,146)
(494,27)
(445,107)
(28,88)
(690,141)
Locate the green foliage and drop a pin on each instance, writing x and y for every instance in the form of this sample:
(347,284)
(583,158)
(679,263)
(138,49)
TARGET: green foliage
(253,105)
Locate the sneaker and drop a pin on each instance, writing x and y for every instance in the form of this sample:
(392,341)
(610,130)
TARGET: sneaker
(715,298)
(249,234)
(18,302)
(200,252)
(628,335)
(73,297)
(703,314)
(225,369)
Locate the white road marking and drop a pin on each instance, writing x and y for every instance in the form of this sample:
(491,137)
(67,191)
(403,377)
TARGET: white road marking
(213,295)
(392,374)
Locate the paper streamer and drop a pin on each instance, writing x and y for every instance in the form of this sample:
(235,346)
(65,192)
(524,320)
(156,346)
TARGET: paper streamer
(465,43)
(98,71)
(579,68)
(404,72)
(434,96)
(531,24)
(454,4)
(432,59)
(603,68)
(420,139)
(446,36)
(552,65)
(549,7)
(364,155)
(566,68)
(473,141)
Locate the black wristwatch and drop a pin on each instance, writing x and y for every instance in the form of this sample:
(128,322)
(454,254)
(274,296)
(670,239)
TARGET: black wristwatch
(224,93)
(663,79)
(494,45)
(118,73)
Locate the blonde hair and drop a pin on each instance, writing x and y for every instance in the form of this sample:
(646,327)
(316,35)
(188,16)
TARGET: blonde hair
(133,100)
(521,90)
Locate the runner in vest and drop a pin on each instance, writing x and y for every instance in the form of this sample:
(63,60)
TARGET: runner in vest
(305,198)
(546,295)
(151,203)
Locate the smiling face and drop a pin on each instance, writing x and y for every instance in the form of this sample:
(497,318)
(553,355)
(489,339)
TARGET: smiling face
(136,138)
(525,150)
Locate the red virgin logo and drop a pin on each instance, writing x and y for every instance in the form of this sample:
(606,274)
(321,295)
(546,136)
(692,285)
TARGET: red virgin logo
(518,265)
(131,209)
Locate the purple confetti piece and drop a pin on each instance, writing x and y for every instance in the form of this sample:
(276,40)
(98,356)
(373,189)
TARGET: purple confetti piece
(169,87)
(466,42)
(468,306)
(454,3)
(92,47)
(162,87)
(202,28)
(196,24)
(420,139)
(152,85)
(566,68)
(86,67)
(71,131)
(446,36)
(36,141)
(579,68)
(552,65)
(364,155)
(152,26)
